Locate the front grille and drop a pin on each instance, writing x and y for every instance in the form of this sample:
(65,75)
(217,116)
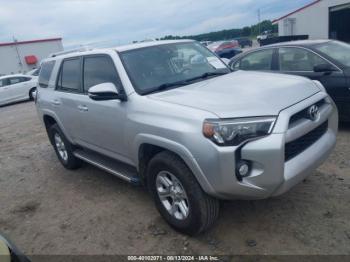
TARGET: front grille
(294,148)
(303,114)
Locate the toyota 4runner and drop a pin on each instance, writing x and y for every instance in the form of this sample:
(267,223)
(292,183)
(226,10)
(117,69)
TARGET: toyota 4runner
(171,115)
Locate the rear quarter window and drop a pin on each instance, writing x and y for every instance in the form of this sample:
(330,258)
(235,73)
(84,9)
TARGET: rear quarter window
(25,79)
(45,73)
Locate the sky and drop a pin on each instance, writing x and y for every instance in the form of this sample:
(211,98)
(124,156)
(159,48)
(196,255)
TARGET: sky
(115,22)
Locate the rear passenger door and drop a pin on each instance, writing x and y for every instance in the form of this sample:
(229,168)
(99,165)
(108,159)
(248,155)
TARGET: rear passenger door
(102,122)
(67,95)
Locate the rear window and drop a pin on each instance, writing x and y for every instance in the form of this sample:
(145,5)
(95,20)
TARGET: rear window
(45,73)
(25,79)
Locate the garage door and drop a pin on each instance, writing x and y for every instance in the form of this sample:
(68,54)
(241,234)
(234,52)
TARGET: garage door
(339,21)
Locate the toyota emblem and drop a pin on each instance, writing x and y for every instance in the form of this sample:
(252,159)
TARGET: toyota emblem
(313,113)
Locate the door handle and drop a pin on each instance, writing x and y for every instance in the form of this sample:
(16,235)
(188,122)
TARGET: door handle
(83,108)
(56,102)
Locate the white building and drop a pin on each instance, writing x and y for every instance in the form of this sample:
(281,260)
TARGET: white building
(320,19)
(20,57)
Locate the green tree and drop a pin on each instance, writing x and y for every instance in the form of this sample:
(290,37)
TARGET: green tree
(247,31)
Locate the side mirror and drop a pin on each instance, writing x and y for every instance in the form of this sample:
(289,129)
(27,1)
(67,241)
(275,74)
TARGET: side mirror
(324,68)
(105,91)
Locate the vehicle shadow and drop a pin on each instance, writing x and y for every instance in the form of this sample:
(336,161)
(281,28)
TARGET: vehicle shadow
(14,103)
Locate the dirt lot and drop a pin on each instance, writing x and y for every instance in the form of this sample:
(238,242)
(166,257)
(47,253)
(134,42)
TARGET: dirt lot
(46,209)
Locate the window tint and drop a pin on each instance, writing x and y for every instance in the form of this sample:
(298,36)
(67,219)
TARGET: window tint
(339,51)
(297,59)
(45,73)
(98,70)
(24,79)
(15,80)
(260,60)
(3,82)
(235,66)
(69,78)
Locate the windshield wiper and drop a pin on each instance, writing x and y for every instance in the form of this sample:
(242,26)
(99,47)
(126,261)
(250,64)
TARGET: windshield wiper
(165,86)
(208,74)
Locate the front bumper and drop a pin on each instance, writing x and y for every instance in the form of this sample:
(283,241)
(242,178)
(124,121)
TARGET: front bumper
(270,174)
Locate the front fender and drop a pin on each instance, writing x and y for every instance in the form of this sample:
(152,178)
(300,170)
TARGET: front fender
(176,148)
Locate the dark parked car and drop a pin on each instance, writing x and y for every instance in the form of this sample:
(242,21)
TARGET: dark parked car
(244,41)
(225,49)
(327,61)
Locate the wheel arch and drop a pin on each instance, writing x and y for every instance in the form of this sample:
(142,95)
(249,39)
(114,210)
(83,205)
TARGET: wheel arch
(30,92)
(147,146)
(49,119)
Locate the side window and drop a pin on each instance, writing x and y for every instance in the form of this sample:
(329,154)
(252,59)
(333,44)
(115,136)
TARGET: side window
(25,79)
(260,60)
(98,70)
(236,66)
(3,82)
(45,73)
(14,80)
(69,77)
(298,59)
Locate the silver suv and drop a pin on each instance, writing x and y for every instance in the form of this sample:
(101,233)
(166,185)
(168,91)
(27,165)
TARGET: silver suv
(171,115)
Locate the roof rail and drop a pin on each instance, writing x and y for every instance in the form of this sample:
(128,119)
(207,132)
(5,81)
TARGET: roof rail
(80,49)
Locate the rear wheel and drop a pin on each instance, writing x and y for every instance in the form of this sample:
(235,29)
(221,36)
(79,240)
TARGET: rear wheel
(178,196)
(63,148)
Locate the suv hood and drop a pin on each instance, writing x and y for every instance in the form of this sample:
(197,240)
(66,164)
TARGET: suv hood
(242,94)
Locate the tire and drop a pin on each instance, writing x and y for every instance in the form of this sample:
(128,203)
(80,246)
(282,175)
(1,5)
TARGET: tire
(58,139)
(203,209)
(31,97)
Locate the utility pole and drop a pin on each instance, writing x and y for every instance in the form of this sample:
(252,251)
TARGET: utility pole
(259,21)
(18,55)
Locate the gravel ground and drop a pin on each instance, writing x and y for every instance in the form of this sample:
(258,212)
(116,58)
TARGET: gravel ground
(46,209)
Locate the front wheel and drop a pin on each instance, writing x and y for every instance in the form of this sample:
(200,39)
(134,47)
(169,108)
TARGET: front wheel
(178,196)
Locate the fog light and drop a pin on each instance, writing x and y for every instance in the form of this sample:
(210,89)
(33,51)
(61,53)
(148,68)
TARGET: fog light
(243,168)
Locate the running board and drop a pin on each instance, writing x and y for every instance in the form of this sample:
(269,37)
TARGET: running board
(114,167)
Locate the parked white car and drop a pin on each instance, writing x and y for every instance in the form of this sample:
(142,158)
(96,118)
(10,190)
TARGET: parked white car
(15,88)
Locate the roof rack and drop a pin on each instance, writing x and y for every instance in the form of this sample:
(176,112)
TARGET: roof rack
(80,49)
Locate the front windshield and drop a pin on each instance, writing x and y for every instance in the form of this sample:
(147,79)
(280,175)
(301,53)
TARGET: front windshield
(339,51)
(152,67)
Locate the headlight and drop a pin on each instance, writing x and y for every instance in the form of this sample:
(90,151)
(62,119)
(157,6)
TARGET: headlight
(236,131)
